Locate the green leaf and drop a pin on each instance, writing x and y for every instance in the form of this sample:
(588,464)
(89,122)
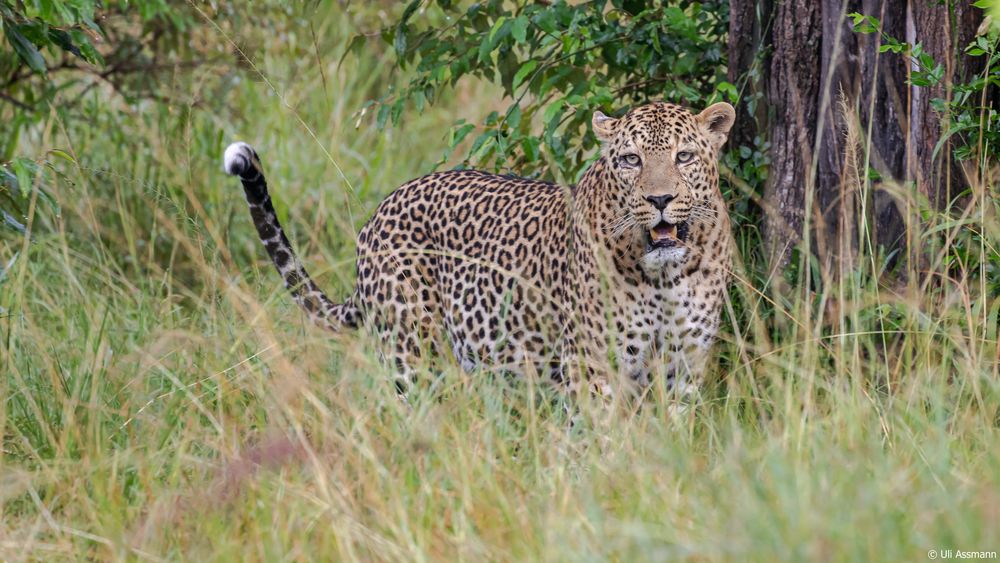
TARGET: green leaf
(728,91)
(383,116)
(64,40)
(399,41)
(411,8)
(87,48)
(355,44)
(497,25)
(552,111)
(458,134)
(531,145)
(485,48)
(523,72)
(863,23)
(419,100)
(62,154)
(519,29)
(23,169)
(397,111)
(25,49)
(481,146)
(514,116)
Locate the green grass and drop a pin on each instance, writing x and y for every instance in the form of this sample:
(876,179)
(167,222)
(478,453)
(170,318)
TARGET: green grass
(150,360)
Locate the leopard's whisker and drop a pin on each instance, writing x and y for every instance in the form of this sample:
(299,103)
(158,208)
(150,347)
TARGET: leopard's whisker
(619,226)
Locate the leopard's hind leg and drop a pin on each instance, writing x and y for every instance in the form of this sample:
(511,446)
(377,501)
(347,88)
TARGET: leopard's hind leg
(403,305)
(408,341)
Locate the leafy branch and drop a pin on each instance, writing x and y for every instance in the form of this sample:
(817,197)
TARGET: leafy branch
(556,64)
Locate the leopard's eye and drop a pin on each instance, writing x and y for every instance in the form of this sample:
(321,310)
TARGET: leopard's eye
(684,156)
(631,160)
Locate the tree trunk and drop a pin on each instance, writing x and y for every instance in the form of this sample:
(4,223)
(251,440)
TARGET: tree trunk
(863,124)
(944,31)
(838,167)
(746,37)
(835,104)
(882,106)
(792,93)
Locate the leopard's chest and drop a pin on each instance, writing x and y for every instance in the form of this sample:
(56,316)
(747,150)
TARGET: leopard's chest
(645,319)
(664,330)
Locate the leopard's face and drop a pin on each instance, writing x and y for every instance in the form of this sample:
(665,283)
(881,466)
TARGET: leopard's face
(662,162)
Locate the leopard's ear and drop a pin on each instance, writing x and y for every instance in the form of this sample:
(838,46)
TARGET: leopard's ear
(604,126)
(716,121)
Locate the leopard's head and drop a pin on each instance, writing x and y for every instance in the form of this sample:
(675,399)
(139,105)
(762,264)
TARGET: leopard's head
(662,160)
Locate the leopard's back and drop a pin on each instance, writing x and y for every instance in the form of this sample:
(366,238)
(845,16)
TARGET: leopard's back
(471,260)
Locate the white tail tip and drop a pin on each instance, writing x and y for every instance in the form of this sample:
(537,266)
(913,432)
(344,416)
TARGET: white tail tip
(238,158)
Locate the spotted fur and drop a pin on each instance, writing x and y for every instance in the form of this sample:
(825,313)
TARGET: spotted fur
(623,274)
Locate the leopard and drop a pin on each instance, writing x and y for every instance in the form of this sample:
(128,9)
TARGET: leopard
(611,282)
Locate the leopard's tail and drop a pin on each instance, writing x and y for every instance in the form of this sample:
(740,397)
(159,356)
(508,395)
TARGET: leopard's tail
(241,160)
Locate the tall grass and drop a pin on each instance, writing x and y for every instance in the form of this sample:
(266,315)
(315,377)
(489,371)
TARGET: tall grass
(164,399)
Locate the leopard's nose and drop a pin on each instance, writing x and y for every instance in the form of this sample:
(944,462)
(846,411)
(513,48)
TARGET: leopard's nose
(660,201)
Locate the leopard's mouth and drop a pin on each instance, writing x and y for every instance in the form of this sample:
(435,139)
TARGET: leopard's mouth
(666,235)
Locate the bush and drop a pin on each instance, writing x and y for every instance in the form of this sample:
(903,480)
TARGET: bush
(557,64)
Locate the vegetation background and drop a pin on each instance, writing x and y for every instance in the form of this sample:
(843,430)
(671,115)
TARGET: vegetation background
(163,399)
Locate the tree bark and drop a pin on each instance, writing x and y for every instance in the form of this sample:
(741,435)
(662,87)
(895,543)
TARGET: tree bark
(884,115)
(792,90)
(746,36)
(863,124)
(834,104)
(838,166)
(944,31)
